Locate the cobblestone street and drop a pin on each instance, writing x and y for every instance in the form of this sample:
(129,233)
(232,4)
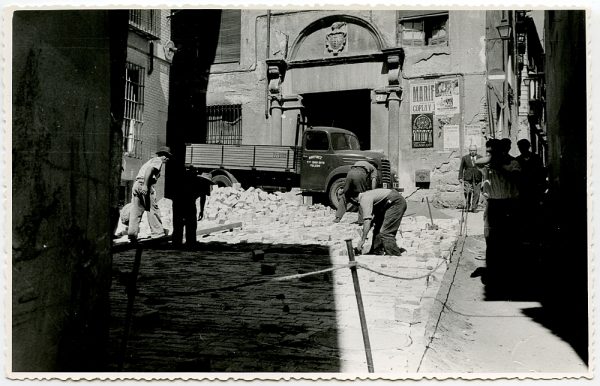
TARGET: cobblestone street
(183,322)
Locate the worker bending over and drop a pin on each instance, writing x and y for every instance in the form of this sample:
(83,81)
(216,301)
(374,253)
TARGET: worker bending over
(382,209)
(361,177)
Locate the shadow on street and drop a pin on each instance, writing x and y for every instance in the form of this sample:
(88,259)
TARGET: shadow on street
(183,323)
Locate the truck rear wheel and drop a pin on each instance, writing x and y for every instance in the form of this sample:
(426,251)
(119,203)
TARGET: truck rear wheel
(335,189)
(222,181)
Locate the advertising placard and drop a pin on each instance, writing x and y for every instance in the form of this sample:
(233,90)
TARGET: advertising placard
(422,98)
(473,136)
(451,137)
(422,130)
(447,97)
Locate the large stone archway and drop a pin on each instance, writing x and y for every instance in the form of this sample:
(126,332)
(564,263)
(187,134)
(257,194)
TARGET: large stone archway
(336,53)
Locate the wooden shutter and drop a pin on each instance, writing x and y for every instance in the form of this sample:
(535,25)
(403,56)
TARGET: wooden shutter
(228,48)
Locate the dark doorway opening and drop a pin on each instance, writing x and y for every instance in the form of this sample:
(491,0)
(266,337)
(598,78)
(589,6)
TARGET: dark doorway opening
(350,110)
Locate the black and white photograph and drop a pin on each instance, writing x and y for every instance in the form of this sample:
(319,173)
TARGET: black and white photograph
(318,192)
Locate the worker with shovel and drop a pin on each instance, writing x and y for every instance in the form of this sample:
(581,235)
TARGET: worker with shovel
(382,209)
(144,196)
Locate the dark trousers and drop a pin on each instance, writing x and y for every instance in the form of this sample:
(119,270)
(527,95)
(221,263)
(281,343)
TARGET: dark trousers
(141,203)
(386,221)
(472,189)
(184,215)
(502,237)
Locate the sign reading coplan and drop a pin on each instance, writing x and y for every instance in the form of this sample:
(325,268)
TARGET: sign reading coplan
(422,98)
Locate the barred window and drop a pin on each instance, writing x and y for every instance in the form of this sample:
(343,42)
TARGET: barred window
(134,110)
(423,29)
(146,22)
(224,124)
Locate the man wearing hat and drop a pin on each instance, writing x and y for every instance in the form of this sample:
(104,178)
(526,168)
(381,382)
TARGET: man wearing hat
(184,211)
(144,196)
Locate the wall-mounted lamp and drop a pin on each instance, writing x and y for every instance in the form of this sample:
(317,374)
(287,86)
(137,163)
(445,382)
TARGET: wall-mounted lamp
(526,81)
(504,30)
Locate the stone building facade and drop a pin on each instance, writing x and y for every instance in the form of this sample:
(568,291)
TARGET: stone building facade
(146,92)
(408,83)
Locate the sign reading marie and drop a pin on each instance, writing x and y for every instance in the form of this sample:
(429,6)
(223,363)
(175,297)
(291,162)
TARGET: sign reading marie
(422,98)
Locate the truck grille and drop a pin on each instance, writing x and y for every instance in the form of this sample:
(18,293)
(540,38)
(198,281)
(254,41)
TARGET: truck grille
(386,175)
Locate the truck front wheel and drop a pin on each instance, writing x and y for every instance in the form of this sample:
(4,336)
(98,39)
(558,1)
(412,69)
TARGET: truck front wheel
(335,189)
(222,181)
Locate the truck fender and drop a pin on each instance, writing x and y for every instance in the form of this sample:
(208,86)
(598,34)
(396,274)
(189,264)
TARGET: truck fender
(223,172)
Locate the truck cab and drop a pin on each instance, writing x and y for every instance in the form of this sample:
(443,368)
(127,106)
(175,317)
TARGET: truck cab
(327,155)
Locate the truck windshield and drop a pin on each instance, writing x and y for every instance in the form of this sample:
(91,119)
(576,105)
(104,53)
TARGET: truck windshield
(341,141)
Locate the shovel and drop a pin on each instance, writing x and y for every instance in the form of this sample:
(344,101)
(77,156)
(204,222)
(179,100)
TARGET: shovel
(431,226)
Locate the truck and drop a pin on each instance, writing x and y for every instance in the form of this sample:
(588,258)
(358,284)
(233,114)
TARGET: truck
(317,165)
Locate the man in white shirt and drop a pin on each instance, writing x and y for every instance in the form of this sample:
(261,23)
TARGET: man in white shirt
(144,196)
(382,209)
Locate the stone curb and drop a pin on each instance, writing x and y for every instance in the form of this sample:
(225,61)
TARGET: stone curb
(444,290)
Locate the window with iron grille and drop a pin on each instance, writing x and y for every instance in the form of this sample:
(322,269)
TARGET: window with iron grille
(146,22)
(224,124)
(133,118)
(418,29)
(230,35)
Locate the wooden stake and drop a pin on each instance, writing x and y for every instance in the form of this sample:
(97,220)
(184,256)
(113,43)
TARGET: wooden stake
(361,308)
(131,290)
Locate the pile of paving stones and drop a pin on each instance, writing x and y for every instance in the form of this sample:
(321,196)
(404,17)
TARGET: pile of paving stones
(282,218)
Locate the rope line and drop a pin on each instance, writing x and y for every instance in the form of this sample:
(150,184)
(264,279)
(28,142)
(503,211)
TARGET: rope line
(403,277)
(302,275)
(263,281)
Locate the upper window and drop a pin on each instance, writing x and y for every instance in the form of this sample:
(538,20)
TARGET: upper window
(146,22)
(317,140)
(224,124)
(134,110)
(424,29)
(228,46)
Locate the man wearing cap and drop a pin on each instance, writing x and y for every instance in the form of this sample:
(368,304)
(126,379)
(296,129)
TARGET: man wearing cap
(382,209)
(144,196)
(470,176)
(361,177)
(185,206)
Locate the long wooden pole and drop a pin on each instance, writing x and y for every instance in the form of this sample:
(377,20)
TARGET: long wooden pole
(361,308)
(131,290)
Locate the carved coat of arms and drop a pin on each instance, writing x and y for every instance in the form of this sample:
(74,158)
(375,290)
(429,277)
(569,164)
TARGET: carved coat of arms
(336,39)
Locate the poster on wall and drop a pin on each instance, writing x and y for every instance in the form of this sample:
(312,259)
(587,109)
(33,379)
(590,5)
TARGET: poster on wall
(422,98)
(451,137)
(447,97)
(473,136)
(422,130)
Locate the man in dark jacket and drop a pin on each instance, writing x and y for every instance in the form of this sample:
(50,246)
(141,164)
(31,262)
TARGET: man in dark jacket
(195,186)
(470,177)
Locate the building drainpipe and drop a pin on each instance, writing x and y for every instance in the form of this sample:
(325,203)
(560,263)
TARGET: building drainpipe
(267,57)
